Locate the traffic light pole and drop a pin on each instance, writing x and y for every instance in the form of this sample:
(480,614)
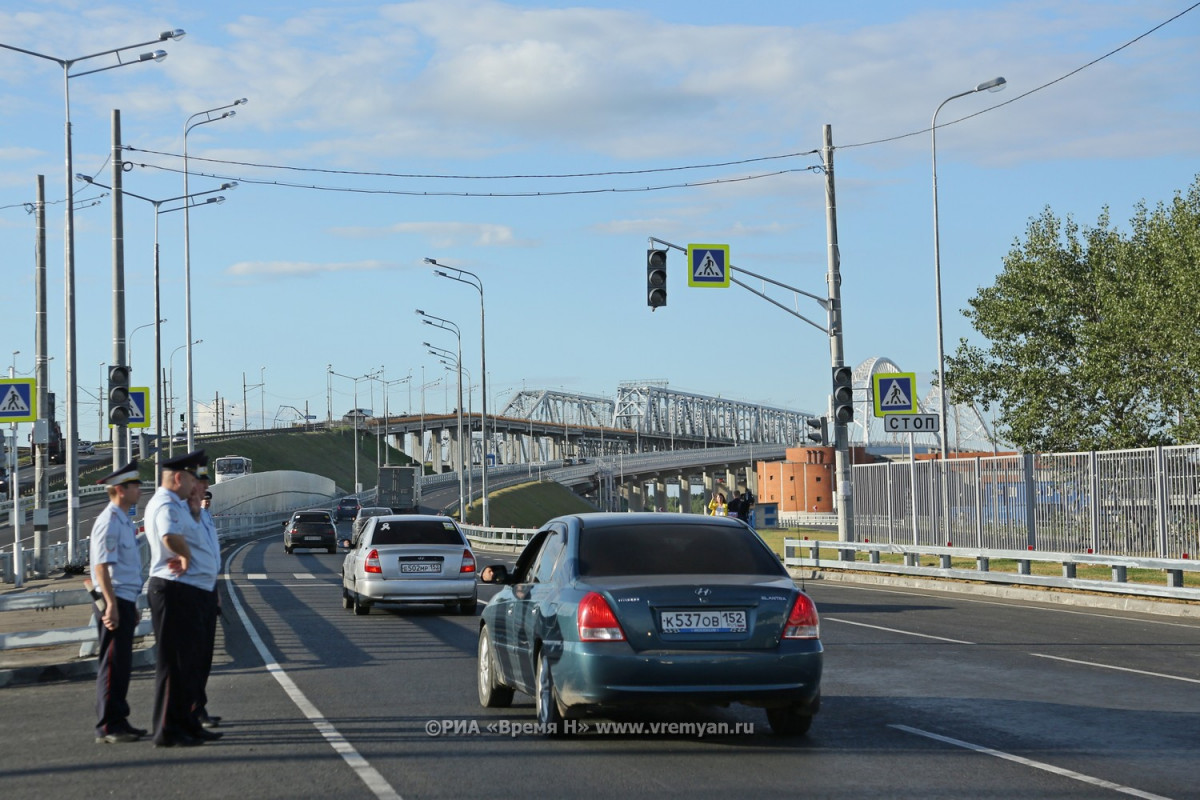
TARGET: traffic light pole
(841,433)
(841,407)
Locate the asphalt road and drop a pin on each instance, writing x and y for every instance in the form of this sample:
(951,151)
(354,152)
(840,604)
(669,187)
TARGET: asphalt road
(925,696)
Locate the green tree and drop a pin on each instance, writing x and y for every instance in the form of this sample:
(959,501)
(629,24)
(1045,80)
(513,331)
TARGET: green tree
(1093,336)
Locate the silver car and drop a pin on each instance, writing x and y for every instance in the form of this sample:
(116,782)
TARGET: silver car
(409,558)
(364,514)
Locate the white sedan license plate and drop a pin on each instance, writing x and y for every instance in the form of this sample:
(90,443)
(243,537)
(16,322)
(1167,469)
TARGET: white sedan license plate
(710,620)
(419,567)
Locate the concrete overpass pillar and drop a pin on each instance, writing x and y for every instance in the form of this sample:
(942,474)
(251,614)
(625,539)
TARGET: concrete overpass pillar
(637,497)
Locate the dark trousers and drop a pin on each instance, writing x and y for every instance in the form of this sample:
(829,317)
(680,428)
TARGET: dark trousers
(211,605)
(114,667)
(177,612)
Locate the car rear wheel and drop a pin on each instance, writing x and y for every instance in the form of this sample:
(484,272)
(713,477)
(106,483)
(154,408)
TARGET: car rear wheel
(546,700)
(467,607)
(331,550)
(347,601)
(790,720)
(287,549)
(491,693)
(361,608)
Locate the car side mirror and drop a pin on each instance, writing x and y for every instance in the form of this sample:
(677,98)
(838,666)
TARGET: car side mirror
(494,573)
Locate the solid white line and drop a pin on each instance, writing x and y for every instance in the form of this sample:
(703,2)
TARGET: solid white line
(368,774)
(1018,603)
(255,576)
(894,630)
(303,576)
(1121,669)
(1066,773)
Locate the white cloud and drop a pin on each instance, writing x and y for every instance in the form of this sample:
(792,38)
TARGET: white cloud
(275,269)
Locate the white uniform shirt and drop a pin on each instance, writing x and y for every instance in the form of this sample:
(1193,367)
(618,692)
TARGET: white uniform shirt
(168,513)
(114,541)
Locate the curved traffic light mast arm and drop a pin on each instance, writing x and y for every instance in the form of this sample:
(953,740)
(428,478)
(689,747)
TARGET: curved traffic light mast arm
(823,302)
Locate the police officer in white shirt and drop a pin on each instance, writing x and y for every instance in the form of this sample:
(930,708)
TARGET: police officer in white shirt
(183,568)
(116,584)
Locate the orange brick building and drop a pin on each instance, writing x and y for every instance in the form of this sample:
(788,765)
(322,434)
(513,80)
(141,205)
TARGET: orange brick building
(804,480)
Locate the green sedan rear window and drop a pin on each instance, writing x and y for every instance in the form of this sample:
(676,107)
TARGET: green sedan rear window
(674,550)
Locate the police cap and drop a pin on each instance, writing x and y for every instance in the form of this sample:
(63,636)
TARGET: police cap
(126,474)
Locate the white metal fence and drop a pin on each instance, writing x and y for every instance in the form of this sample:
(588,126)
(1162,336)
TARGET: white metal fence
(1140,503)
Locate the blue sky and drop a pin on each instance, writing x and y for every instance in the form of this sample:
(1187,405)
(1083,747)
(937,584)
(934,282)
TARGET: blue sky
(328,269)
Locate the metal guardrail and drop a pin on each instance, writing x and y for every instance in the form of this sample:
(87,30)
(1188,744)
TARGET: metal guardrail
(1120,565)
(514,538)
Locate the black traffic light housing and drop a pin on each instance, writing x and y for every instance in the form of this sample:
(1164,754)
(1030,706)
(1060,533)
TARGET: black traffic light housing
(843,395)
(118,395)
(656,278)
(820,430)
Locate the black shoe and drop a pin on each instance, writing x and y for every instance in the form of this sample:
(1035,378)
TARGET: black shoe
(121,737)
(178,740)
(207,721)
(138,732)
(205,735)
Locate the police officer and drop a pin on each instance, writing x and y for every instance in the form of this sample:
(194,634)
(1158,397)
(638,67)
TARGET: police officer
(183,568)
(116,584)
(212,609)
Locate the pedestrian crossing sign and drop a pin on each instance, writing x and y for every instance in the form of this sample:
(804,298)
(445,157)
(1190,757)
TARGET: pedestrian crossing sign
(139,407)
(708,265)
(18,399)
(895,393)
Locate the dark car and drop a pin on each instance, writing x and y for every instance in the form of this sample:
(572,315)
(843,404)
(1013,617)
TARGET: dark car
(347,508)
(310,529)
(638,610)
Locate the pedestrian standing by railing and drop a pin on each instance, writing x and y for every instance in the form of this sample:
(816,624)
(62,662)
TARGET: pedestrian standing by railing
(116,584)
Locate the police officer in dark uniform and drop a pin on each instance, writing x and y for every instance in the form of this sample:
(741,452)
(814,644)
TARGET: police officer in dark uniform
(182,569)
(212,609)
(116,583)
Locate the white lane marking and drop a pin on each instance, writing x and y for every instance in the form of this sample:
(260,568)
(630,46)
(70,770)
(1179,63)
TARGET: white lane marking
(303,576)
(1066,773)
(894,630)
(368,774)
(1015,603)
(1120,669)
(256,576)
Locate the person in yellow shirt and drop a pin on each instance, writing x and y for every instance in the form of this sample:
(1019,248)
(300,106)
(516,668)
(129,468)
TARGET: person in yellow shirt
(716,506)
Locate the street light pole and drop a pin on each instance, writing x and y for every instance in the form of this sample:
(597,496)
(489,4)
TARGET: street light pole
(187,249)
(171,362)
(72,454)
(477,283)
(994,85)
(357,414)
(445,324)
(158,211)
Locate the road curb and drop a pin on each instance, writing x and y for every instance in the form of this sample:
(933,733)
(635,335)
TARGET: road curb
(1141,605)
(77,669)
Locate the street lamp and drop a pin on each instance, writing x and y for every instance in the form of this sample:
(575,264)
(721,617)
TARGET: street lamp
(994,85)
(357,414)
(477,283)
(171,362)
(72,455)
(187,249)
(188,202)
(445,324)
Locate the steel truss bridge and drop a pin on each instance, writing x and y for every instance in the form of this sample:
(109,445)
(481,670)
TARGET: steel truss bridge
(648,416)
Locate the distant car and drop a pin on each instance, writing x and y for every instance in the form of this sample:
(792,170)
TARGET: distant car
(364,514)
(86,449)
(410,558)
(179,438)
(346,508)
(641,610)
(313,529)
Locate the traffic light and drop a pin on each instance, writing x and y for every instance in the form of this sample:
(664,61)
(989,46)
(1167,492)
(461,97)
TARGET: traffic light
(820,430)
(118,395)
(656,278)
(843,395)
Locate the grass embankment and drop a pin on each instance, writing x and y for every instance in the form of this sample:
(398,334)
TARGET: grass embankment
(528,505)
(326,453)
(1046,568)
